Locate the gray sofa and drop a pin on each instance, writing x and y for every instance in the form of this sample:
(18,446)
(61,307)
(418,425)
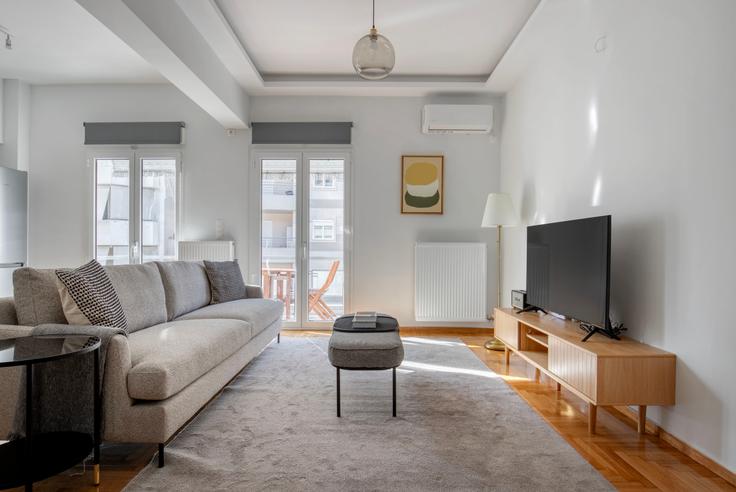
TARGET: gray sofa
(180,352)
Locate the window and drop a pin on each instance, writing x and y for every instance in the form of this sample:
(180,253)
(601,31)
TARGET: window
(323,230)
(323,180)
(135,216)
(299,251)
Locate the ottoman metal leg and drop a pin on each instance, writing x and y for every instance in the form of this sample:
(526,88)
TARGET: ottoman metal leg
(394,390)
(338,391)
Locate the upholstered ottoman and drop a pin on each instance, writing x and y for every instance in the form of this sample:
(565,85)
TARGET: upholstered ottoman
(376,350)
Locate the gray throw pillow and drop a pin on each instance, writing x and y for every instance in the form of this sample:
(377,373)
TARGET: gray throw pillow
(226,281)
(89,298)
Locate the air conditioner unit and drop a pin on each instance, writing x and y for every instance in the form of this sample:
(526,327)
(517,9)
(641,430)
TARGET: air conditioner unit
(469,119)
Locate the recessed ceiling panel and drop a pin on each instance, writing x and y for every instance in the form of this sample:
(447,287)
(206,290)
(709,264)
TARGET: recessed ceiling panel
(431,37)
(57,41)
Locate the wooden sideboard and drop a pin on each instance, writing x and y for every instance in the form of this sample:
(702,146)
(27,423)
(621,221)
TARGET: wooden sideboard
(601,371)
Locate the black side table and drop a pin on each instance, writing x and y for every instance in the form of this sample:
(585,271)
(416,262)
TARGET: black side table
(41,455)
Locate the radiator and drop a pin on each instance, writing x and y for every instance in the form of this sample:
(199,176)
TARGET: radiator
(450,282)
(207,250)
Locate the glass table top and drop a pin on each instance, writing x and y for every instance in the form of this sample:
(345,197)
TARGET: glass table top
(34,349)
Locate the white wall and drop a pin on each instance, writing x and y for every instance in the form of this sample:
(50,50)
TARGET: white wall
(15,113)
(642,130)
(214,166)
(215,174)
(384,129)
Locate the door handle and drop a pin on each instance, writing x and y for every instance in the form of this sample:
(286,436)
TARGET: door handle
(18,264)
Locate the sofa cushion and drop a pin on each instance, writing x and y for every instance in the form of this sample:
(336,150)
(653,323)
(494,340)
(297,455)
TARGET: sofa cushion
(186,285)
(260,313)
(37,298)
(226,281)
(141,294)
(166,358)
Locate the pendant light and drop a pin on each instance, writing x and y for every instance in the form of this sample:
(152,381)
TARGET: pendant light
(373,55)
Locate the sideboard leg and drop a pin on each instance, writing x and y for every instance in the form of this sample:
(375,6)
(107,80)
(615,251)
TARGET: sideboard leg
(507,354)
(642,424)
(559,387)
(537,374)
(592,416)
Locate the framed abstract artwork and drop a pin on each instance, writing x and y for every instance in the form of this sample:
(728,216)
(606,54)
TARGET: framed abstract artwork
(422,184)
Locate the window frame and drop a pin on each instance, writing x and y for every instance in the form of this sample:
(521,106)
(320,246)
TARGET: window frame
(302,153)
(135,156)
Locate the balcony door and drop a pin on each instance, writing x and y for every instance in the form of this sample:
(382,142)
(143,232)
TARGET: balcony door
(136,200)
(301,217)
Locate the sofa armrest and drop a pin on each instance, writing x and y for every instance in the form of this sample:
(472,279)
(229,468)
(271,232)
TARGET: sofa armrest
(14,331)
(115,398)
(10,381)
(253,291)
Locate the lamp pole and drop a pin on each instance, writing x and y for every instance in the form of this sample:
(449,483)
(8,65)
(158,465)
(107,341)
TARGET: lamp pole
(494,343)
(499,211)
(498,265)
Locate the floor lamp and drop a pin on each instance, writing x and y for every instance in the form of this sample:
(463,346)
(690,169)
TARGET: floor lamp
(499,212)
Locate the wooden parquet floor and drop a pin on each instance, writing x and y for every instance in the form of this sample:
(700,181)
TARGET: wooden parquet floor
(629,461)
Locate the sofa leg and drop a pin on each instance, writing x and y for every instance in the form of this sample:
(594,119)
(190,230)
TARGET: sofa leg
(160,455)
(278,338)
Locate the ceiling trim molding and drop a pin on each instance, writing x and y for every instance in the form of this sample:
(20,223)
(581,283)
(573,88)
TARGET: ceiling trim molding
(354,79)
(501,78)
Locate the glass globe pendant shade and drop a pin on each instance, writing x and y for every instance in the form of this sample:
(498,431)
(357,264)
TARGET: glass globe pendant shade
(373,56)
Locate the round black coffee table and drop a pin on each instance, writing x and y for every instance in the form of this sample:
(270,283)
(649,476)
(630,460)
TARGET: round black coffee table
(41,455)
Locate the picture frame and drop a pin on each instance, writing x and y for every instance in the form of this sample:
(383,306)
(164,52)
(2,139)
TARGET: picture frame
(422,184)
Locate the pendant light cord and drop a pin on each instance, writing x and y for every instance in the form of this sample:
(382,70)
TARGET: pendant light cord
(374,14)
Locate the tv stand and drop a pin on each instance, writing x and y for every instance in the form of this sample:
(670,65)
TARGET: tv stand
(601,371)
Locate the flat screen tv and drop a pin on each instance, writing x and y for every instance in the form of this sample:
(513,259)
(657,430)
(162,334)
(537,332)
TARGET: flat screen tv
(568,268)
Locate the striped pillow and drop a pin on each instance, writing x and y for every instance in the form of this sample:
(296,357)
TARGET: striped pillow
(89,298)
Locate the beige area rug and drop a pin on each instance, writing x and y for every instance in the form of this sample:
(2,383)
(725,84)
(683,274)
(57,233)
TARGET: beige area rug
(459,427)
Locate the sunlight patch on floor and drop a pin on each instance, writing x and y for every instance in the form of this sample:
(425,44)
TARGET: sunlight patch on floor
(428,341)
(421,366)
(514,378)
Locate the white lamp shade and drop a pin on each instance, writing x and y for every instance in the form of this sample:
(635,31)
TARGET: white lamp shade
(499,211)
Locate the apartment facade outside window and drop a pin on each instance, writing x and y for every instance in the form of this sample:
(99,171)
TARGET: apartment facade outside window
(324,180)
(323,230)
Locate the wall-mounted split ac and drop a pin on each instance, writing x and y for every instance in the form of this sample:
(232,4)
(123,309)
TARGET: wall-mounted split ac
(468,119)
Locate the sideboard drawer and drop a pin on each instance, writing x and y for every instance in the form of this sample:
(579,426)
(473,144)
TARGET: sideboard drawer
(574,366)
(506,329)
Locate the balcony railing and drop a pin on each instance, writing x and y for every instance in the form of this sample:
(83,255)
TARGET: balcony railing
(277,188)
(278,242)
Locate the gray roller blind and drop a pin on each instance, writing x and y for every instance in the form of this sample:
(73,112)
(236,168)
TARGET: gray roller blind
(301,133)
(166,132)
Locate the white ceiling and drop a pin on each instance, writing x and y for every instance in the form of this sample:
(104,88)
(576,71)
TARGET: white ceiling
(270,47)
(431,37)
(58,42)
